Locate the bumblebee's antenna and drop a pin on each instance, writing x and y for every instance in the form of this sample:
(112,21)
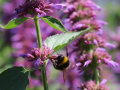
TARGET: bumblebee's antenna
(66,51)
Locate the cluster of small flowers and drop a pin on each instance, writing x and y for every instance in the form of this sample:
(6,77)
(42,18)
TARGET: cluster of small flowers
(38,56)
(40,7)
(33,7)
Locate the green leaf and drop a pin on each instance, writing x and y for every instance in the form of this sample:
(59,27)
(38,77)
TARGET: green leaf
(53,22)
(15,78)
(59,41)
(15,22)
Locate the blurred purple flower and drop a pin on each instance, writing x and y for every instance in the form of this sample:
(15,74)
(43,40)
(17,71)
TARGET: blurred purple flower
(69,8)
(103,81)
(111,46)
(111,63)
(87,63)
(34,82)
(95,42)
(91,85)
(58,6)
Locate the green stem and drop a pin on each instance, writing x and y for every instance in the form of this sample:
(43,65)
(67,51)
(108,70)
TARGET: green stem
(97,76)
(44,77)
(39,38)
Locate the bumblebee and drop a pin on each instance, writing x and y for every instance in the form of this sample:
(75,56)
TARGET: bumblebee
(61,62)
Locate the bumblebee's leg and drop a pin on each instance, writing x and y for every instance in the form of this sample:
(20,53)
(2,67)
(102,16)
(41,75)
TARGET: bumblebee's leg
(64,76)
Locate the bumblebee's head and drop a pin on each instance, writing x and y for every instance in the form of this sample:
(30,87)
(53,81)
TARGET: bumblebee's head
(59,59)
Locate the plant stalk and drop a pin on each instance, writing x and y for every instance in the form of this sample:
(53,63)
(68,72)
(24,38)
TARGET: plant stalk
(97,76)
(37,25)
(39,38)
(44,77)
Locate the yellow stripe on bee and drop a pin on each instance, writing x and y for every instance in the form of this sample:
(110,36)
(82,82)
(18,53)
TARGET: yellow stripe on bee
(64,61)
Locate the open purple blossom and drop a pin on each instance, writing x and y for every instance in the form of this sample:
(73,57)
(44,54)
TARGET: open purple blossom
(87,63)
(111,63)
(84,60)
